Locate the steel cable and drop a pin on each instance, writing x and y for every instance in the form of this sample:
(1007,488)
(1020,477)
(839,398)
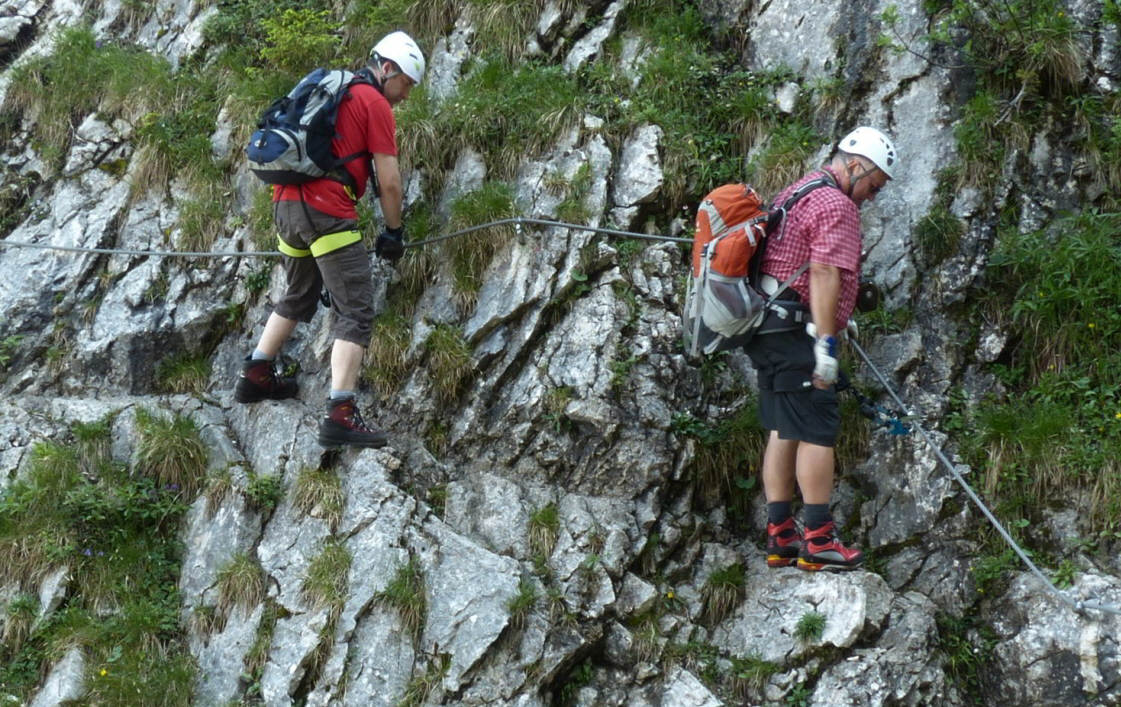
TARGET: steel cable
(518,221)
(1073,603)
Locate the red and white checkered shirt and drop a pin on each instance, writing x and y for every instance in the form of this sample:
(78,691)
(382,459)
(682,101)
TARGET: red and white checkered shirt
(824,227)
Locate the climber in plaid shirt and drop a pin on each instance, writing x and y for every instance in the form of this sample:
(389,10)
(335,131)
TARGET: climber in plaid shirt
(798,373)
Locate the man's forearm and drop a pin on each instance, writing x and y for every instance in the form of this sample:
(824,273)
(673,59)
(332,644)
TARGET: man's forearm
(825,290)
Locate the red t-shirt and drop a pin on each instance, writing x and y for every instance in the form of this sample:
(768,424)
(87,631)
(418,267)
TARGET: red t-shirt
(823,227)
(365,123)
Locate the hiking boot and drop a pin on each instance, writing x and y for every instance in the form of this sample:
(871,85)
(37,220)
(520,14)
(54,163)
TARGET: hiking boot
(821,550)
(260,381)
(344,426)
(783,543)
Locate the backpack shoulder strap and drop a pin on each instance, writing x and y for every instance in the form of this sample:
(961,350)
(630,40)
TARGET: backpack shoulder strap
(778,213)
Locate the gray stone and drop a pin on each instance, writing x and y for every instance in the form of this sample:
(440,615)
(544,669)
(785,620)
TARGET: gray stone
(899,670)
(469,590)
(589,45)
(489,509)
(65,683)
(853,604)
(447,62)
(221,656)
(1048,655)
(684,689)
(468,175)
(52,590)
(640,168)
(635,596)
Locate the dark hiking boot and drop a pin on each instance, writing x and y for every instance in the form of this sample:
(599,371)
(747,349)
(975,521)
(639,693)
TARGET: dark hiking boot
(821,550)
(344,427)
(783,543)
(260,381)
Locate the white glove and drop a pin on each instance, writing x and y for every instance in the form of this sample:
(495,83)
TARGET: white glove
(852,331)
(826,364)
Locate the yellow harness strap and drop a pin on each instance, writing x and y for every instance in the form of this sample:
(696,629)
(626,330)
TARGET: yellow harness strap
(333,241)
(322,245)
(290,251)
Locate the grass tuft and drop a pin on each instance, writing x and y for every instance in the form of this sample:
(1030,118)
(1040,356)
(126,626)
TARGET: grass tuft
(544,528)
(326,582)
(241,584)
(521,604)
(171,451)
(425,688)
(722,593)
(471,255)
(387,360)
(186,372)
(810,628)
(449,361)
(406,593)
(319,493)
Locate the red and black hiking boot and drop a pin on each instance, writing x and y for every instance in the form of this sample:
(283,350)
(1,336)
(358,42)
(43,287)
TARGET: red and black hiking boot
(821,550)
(344,427)
(260,381)
(783,543)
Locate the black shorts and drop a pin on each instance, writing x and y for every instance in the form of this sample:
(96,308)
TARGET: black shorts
(788,401)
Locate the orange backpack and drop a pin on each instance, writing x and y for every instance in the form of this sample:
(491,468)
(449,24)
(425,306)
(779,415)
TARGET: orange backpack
(723,308)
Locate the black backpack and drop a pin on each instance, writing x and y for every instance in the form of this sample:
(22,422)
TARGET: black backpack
(292,143)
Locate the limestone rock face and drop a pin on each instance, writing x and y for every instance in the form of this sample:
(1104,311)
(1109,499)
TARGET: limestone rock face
(571,525)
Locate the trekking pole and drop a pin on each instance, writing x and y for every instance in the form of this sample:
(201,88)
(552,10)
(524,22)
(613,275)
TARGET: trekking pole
(1076,605)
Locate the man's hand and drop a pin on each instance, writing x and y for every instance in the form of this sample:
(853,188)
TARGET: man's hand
(826,364)
(390,244)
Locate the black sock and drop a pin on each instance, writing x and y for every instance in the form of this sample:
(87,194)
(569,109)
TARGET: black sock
(816,515)
(778,511)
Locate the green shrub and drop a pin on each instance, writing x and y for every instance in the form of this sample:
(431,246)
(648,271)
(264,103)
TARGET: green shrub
(938,234)
(299,40)
(507,112)
(264,491)
(8,347)
(117,532)
(1059,433)
(749,675)
(80,76)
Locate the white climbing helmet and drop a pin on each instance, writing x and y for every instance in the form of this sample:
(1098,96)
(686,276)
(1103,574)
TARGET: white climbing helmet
(400,48)
(871,143)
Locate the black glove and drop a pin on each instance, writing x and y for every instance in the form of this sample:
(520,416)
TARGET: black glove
(390,244)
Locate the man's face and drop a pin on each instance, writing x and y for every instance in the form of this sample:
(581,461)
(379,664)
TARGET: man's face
(397,88)
(866,180)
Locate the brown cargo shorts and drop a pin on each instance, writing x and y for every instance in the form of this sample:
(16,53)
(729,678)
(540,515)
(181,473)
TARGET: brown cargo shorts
(345,272)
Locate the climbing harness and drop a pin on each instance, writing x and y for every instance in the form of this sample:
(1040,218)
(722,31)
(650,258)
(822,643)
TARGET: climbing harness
(1075,604)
